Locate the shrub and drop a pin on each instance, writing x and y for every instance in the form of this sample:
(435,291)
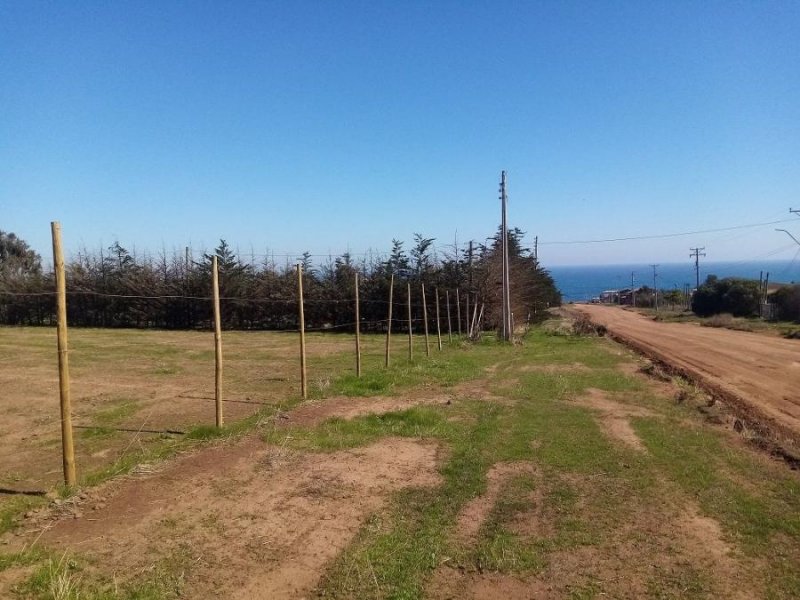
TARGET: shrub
(787,301)
(734,295)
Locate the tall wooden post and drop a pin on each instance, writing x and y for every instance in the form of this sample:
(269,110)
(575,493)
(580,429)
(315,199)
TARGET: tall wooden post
(358,331)
(389,322)
(425,321)
(438,321)
(302,319)
(410,327)
(458,312)
(449,322)
(217,340)
(466,316)
(67,446)
(474,322)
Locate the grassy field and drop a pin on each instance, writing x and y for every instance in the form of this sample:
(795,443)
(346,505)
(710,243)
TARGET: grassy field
(563,473)
(140,395)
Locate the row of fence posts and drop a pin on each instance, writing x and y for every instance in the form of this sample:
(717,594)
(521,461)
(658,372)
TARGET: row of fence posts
(473,326)
(68,450)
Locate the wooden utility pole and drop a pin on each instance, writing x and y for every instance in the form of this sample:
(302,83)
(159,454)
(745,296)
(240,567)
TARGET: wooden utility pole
(458,312)
(449,322)
(697,253)
(67,445)
(358,330)
(410,326)
(389,323)
(655,285)
(506,329)
(302,319)
(466,315)
(217,340)
(438,320)
(633,291)
(425,321)
(469,254)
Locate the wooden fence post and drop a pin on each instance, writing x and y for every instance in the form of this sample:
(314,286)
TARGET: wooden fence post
(449,323)
(217,340)
(458,312)
(302,319)
(358,332)
(438,321)
(410,327)
(389,322)
(67,446)
(425,321)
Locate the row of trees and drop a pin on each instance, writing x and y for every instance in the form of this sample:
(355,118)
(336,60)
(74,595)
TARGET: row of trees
(113,288)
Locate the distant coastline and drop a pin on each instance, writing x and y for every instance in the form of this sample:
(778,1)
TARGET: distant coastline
(580,283)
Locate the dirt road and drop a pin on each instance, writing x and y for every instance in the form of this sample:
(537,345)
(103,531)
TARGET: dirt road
(762,372)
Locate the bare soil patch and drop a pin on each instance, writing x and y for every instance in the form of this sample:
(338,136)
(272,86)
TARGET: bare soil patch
(614,416)
(248,528)
(314,412)
(456,584)
(570,368)
(474,514)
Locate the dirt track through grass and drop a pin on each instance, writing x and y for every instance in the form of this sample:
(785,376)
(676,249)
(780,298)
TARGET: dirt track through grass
(501,473)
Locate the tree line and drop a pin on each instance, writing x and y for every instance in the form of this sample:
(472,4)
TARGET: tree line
(113,288)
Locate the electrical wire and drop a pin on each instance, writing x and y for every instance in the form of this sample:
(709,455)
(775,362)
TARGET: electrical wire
(664,235)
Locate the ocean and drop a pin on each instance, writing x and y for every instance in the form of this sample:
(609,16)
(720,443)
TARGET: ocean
(579,283)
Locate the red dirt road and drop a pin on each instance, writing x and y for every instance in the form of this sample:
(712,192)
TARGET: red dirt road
(761,372)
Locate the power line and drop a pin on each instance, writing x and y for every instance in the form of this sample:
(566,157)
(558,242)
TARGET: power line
(666,235)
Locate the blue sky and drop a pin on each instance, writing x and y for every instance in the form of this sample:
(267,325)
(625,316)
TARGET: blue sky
(332,125)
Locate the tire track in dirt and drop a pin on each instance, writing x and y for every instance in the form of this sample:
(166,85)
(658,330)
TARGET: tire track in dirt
(614,417)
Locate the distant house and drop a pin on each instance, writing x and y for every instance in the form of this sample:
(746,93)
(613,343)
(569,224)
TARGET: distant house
(609,297)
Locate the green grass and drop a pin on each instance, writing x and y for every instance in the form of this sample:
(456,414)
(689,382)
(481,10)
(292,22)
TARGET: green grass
(13,508)
(65,577)
(121,409)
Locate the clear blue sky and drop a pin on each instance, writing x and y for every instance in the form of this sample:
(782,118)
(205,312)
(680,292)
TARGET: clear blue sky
(321,126)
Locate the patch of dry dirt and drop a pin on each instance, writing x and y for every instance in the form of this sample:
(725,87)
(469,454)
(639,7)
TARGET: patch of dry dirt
(252,526)
(312,413)
(456,584)
(614,417)
(474,514)
(550,369)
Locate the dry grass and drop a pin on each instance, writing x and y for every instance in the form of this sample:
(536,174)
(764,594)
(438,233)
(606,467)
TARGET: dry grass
(131,388)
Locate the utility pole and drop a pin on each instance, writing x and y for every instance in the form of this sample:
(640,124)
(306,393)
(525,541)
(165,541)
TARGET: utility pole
(536,250)
(795,211)
(633,291)
(469,254)
(655,286)
(696,254)
(507,333)
(796,241)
